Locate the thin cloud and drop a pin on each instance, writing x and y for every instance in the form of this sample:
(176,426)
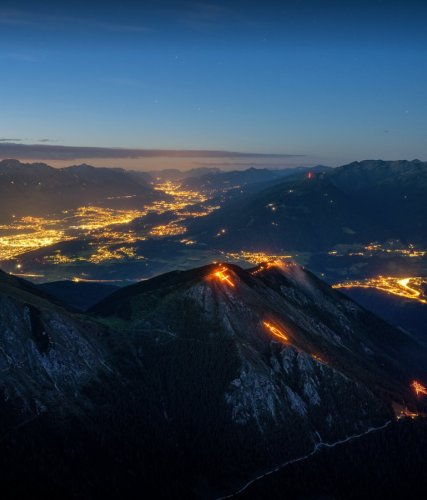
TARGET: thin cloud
(21,57)
(9,149)
(29,19)
(114,26)
(207,15)
(210,16)
(11,142)
(203,16)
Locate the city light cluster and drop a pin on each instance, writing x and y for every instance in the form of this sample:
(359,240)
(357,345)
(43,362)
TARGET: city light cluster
(103,228)
(409,288)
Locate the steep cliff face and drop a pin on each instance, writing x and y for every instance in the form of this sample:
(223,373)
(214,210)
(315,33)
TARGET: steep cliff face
(47,354)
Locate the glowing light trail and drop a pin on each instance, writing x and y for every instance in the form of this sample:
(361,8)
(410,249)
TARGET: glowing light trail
(266,265)
(409,288)
(275,331)
(222,276)
(84,280)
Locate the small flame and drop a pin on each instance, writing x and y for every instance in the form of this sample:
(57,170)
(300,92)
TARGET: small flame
(275,331)
(224,277)
(266,265)
(419,388)
(319,358)
(271,263)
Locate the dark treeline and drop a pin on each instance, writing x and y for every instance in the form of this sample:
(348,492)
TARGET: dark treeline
(390,463)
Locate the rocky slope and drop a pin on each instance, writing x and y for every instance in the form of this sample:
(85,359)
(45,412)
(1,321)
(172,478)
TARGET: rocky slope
(77,419)
(191,382)
(232,384)
(47,354)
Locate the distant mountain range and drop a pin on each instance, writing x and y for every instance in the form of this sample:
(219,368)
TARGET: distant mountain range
(174,174)
(191,382)
(238,179)
(78,295)
(408,315)
(47,189)
(357,203)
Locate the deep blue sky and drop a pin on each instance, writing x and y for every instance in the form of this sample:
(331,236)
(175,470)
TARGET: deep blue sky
(336,81)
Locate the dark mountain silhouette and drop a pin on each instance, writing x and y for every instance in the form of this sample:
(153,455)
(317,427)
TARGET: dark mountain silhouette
(408,315)
(174,174)
(238,179)
(357,203)
(78,295)
(46,189)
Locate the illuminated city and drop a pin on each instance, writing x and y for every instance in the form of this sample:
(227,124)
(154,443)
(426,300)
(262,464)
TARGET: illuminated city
(411,288)
(255,257)
(105,228)
(390,249)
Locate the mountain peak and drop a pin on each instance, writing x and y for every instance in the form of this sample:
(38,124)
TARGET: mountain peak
(12,165)
(207,360)
(274,302)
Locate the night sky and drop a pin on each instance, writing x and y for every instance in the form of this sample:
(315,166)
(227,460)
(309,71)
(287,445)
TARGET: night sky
(330,81)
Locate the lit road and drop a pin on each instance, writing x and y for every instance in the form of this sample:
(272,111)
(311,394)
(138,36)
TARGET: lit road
(409,288)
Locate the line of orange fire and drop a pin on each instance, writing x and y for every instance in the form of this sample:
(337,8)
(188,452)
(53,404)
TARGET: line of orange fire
(275,331)
(263,266)
(224,277)
(419,388)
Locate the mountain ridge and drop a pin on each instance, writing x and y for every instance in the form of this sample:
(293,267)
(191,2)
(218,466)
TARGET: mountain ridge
(206,376)
(47,189)
(356,203)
